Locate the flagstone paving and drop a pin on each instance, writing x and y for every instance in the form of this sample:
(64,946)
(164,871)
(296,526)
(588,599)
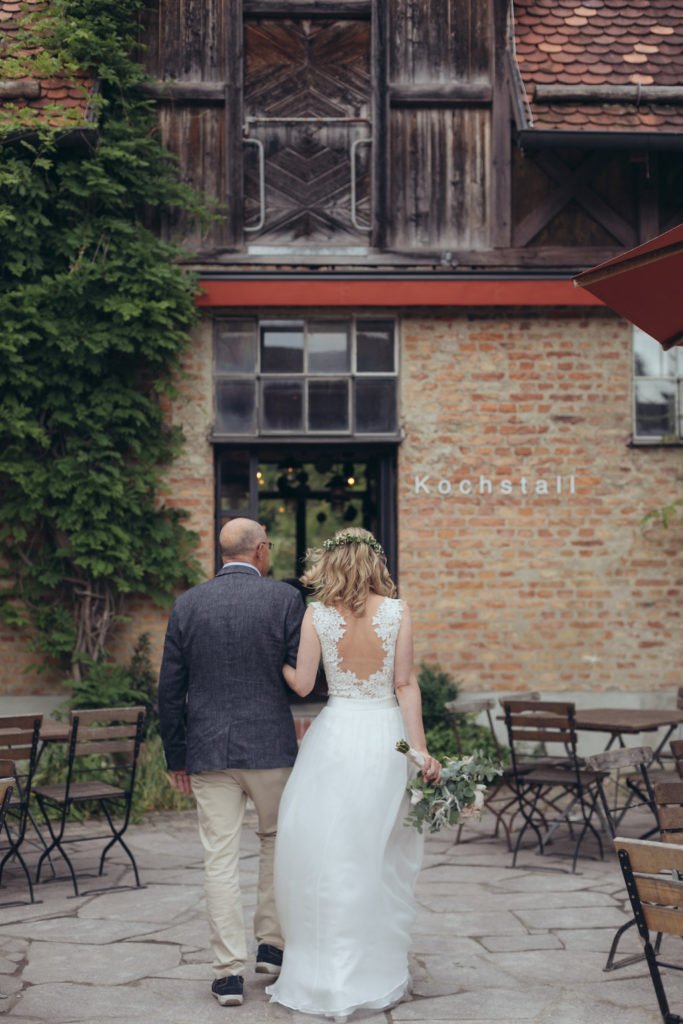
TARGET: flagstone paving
(490,944)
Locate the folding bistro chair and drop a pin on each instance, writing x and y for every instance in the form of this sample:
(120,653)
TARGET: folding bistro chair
(560,786)
(19,743)
(637,792)
(96,735)
(653,873)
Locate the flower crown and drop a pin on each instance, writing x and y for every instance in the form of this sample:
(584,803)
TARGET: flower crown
(352,538)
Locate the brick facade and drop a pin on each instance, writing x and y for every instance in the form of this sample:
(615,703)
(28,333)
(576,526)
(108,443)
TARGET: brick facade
(548,591)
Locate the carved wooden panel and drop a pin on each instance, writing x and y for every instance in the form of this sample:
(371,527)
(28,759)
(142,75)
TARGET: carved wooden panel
(440,173)
(307,99)
(440,40)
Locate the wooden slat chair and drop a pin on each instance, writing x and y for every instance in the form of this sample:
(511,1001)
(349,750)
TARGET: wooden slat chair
(20,744)
(675,760)
(638,791)
(565,784)
(653,873)
(101,732)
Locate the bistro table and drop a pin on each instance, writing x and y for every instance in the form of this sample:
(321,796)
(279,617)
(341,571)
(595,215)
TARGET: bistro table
(620,722)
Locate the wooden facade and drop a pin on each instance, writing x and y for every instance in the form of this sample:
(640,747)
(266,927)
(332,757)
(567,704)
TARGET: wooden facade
(385,132)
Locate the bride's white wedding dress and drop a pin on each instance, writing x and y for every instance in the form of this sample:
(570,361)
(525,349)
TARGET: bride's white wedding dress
(345,863)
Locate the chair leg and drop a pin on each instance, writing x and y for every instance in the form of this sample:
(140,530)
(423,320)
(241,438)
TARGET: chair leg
(610,965)
(14,852)
(117,838)
(653,966)
(527,809)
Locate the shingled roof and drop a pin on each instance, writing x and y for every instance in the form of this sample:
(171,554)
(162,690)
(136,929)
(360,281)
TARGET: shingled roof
(63,101)
(600,65)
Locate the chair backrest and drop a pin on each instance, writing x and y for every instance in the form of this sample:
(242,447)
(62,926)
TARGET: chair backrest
(537,724)
(19,737)
(640,794)
(654,874)
(679,699)
(106,730)
(669,802)
(677,754)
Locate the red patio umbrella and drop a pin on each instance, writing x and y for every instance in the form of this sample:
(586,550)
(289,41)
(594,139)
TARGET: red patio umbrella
(645,285)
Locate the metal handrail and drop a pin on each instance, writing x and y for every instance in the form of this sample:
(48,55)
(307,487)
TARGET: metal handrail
(354,219)
(261,184)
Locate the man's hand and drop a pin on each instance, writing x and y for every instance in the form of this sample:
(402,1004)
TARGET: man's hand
(181,782)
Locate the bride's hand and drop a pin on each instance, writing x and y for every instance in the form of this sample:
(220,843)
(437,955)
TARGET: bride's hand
(431,770)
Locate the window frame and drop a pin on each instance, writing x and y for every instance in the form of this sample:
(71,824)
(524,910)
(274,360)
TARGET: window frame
(305,376)
(675,378)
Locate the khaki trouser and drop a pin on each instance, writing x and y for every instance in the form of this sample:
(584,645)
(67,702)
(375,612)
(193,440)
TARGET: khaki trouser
(221,798)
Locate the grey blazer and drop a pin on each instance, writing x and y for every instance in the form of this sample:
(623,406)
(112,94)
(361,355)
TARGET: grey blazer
(222,697)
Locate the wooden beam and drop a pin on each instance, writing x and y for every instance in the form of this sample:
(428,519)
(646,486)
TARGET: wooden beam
(19,89)
(307,8)
(184,92)
(304,292)
(461,94)
(501,131)
(381,164)
(608,94)
(234,120)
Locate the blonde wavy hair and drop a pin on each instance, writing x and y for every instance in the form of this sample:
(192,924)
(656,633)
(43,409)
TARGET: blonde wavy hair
(347,568)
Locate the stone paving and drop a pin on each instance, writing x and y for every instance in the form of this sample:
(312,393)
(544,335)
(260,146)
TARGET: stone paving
(491,944)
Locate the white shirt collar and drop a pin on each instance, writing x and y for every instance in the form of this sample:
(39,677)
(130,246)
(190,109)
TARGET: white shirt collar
(248,565)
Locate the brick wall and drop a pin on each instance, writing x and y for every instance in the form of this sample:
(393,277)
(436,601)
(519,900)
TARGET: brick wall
(552,591)
(548,591)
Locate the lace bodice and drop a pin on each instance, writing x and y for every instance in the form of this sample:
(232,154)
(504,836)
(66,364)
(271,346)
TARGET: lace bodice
(330,626)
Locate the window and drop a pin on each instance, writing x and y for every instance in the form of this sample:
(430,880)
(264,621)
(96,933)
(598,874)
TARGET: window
(658,391)
(305,377)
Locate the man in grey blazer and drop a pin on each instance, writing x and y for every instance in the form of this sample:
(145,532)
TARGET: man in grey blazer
(228,733)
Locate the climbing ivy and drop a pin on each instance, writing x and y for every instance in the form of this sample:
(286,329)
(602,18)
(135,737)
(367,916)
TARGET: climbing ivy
(95,313)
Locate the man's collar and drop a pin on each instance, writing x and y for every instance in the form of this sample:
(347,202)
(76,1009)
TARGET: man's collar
(246,565)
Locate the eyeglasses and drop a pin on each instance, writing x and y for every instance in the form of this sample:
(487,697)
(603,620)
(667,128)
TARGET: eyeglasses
(268,544)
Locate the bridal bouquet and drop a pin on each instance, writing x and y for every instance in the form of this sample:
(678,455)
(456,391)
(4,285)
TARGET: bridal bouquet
(459,793)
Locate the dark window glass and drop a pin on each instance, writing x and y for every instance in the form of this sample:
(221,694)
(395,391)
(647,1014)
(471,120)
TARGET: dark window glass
(375,406)
(655,408)
(282,348)
(235,407)
(328,405)
(329,347)
(235,346)
(234,479)
(282,405)
(375,346)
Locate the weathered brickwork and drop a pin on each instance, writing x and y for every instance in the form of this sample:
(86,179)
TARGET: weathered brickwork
(549,591)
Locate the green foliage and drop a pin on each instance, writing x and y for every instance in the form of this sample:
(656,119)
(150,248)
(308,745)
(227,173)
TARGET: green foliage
(666,515)
(437,688)
(95,316)
(442,742)
(109,685)
(153,791)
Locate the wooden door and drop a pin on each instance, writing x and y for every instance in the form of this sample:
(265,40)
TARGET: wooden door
(307,133)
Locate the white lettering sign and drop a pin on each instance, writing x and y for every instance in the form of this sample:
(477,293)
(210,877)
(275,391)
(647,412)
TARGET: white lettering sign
(425,483)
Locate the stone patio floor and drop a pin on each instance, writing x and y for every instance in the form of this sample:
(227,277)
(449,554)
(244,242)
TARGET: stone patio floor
(491,944)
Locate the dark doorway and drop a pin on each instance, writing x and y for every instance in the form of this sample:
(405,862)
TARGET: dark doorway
(305,494)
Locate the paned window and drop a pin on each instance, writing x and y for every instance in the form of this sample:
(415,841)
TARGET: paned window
(658,391)
(318,376)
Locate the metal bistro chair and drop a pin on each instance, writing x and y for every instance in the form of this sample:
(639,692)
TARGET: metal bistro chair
(653,873)
(7,784)
(638,792)
(19,743)
(565,786)
(101,732)
(501,798)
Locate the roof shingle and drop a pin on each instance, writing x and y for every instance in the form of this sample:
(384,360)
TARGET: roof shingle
(634,43)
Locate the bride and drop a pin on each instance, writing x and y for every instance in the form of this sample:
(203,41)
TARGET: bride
(345,863)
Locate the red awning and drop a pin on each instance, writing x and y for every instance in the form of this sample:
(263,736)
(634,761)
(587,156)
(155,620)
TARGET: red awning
(645,285)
